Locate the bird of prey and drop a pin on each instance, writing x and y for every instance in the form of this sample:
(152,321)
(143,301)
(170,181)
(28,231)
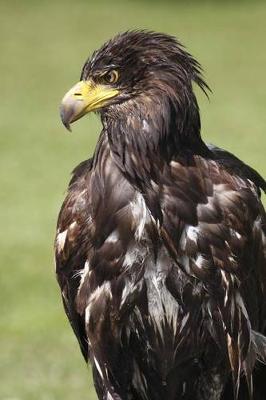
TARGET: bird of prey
(161,239)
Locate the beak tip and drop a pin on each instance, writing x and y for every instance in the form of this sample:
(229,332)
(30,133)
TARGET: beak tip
(67,126)
(65,117)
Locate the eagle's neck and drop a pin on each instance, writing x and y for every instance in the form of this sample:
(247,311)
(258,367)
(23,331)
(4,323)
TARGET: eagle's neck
(145,135)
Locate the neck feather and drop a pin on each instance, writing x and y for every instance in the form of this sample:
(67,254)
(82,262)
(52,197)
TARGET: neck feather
(145,135)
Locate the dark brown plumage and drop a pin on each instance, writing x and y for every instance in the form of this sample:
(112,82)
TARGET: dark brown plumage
(160,247)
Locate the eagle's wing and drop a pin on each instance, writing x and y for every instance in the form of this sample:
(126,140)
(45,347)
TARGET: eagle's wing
(70,253)
(214,225)
(94,231)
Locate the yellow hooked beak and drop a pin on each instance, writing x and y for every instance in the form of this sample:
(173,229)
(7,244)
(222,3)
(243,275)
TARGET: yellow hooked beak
(82,98)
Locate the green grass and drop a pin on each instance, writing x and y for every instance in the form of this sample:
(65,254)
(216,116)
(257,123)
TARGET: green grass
(42,47)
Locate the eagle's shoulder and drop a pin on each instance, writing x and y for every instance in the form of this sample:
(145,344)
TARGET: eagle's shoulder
(237,167)
(208,197)
(81,170)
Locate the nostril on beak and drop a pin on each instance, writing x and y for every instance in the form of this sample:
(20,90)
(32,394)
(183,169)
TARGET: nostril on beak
(78,96)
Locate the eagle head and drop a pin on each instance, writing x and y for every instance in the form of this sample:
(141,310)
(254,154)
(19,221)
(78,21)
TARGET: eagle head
(136,71)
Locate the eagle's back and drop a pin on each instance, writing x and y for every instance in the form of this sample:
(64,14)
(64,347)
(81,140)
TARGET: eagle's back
(165,306)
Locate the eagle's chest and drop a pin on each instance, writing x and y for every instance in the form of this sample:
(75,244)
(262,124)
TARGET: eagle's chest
(129,275)
(130,284)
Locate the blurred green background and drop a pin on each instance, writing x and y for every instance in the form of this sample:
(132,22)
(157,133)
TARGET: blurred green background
(43,45)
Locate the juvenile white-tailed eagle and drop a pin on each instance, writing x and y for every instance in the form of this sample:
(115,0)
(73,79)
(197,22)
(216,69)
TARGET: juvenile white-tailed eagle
(160,246)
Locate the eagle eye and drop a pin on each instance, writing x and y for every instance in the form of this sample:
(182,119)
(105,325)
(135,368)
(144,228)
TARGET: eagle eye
(111,77)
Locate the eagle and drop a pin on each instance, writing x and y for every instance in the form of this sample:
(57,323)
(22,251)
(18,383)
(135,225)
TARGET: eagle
(161,239)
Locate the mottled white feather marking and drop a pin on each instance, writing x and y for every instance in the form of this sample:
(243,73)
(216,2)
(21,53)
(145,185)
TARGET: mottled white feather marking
(238,235)
(258,226)
(87,314)
(104,289)
(136,253)
(61,237)
(112,238)
(60,241)
(226,282)
(162,306)
(140,214)
(192,233)
(209,205)
(83,273)
(97,365)
(129,287)
(174,164)
(72,226)
(199,261)
(235,233)
(189,232)
(130,258)
(145,125)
